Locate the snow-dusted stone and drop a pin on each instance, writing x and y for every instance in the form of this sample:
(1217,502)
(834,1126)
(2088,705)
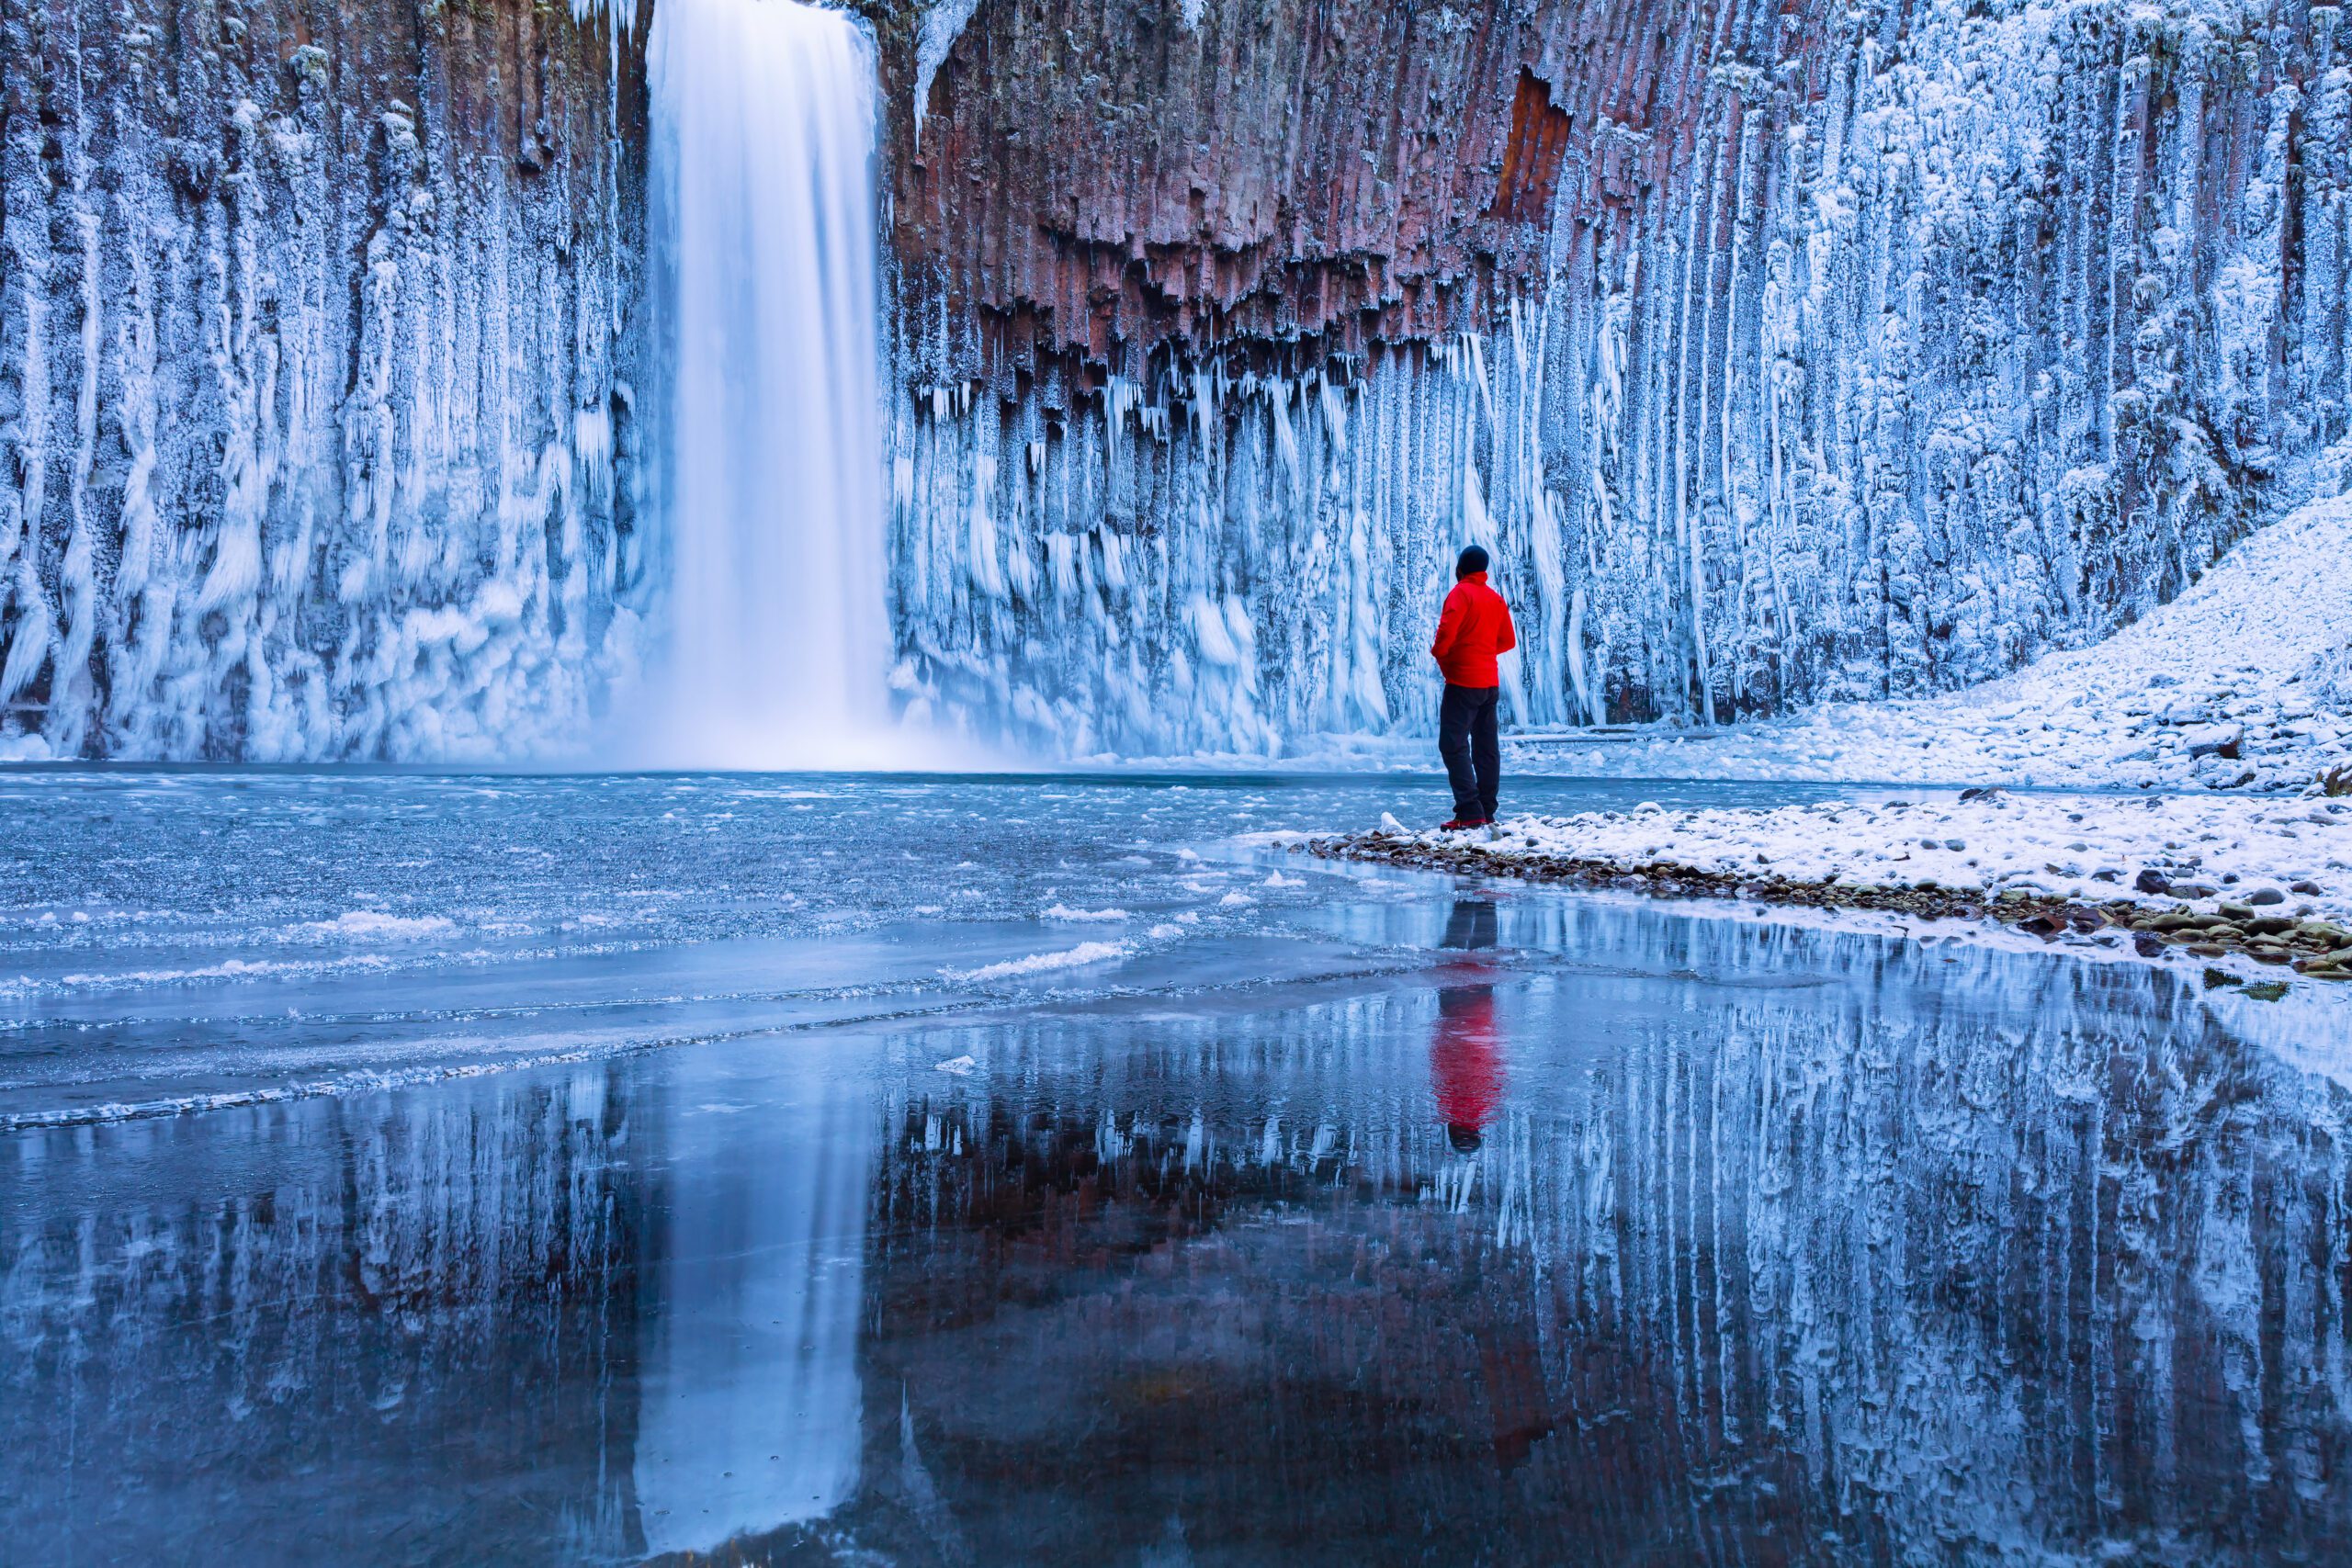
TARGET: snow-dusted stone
(2215,739)
(2189,710)
(2030,867)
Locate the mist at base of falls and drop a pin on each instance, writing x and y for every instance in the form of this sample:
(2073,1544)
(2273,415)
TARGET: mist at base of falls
(773,640)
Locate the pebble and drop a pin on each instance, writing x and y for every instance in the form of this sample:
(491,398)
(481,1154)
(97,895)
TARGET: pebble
(2318,949)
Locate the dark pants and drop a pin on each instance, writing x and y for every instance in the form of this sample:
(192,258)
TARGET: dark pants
(1473,750)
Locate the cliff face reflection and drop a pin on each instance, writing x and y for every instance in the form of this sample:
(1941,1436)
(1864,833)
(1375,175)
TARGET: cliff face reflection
(1720,1242)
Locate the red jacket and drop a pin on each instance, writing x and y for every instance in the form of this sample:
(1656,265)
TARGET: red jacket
(1473,628)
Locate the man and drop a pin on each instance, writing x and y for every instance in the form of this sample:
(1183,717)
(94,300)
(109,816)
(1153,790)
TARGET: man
(1475,627)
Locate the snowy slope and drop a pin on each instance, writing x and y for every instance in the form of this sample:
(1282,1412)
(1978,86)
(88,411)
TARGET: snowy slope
(2243,681)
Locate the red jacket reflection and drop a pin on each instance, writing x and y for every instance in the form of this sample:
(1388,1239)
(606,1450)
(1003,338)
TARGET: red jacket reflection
(1464,1058)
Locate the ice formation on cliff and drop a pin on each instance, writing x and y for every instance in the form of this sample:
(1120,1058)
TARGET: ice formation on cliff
(1944,339)
(1838,353)
(312,357)
(2238,683)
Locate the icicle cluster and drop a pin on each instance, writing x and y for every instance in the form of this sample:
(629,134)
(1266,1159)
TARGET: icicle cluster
(1941,340)
(308,381)
(1213,559)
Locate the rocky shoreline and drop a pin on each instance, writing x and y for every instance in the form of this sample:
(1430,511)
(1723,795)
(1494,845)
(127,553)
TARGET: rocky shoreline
(2262,932)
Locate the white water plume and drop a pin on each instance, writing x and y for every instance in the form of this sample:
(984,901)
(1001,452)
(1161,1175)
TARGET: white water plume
(769,488)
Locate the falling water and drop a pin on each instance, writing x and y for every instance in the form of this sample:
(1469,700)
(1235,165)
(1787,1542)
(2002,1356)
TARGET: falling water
(770,504)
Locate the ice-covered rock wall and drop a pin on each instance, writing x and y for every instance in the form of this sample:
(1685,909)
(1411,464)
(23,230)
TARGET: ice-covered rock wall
(1782,353)
(314,345)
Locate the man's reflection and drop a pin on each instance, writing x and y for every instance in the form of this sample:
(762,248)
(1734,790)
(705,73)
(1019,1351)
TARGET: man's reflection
(1465,1059)
(1466,1063)
(1471,925)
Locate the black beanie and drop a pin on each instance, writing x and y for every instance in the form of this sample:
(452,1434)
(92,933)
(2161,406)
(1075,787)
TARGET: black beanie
(1473,559)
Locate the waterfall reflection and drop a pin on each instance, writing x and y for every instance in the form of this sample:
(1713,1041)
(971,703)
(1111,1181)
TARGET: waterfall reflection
(519,1318)
(748,1402)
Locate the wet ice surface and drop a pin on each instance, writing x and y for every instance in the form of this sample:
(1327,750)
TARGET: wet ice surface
(1374,1219)
(202,937)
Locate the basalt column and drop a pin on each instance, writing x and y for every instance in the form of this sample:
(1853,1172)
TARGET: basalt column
(1779,351)
(315,334)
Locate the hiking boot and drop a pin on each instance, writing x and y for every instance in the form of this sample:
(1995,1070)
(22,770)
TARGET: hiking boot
(1463,824)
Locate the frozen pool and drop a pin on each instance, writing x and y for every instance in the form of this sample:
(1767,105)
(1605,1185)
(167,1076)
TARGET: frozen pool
(1018,1171)
(170,939)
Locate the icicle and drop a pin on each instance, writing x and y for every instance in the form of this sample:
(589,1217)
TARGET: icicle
(980,548)
(1478,355)
(1585,701)
(1477,525)
(1120,397)
(1285,441)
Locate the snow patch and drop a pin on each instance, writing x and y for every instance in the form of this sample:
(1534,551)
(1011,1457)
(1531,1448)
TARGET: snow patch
(1085,952)
(374,925)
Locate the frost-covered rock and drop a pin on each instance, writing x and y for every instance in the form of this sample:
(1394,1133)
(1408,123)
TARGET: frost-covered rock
(2213,739)
(313,377)
(1865,352)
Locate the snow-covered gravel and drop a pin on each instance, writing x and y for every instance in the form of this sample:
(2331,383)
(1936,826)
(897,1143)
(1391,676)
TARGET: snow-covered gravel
(2244,682)
(2252,880)
(2091,848)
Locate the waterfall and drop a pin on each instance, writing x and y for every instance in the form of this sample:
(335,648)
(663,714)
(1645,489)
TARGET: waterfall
(767,505)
